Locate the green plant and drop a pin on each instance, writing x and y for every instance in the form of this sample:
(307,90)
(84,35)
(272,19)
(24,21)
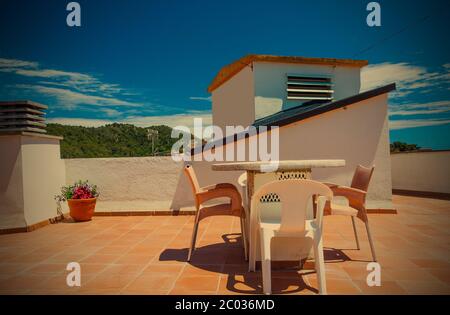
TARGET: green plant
(79,190)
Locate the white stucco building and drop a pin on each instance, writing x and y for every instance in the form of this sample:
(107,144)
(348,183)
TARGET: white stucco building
(256,86)
(320,110)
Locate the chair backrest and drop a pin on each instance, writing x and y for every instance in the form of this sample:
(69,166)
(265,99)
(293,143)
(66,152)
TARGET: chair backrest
(189,171)
(242,180)
(294,195)
(361,177)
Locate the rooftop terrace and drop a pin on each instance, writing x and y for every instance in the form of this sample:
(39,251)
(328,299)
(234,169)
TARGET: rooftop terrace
(147,255)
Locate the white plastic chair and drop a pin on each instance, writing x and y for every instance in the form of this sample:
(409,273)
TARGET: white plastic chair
(242,181)
(294,195)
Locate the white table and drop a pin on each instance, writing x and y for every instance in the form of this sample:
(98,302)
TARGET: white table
(260,173)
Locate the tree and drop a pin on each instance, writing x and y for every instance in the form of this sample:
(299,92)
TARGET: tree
(398,146)
(114,140)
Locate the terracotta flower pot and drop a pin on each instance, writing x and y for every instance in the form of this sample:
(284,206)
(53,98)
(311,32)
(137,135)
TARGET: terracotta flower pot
(82,209)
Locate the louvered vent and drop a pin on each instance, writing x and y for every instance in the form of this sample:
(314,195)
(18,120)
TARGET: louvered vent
(308,87)
(19,116)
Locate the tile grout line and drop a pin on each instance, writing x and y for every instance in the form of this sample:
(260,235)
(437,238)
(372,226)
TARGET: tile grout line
(152,260)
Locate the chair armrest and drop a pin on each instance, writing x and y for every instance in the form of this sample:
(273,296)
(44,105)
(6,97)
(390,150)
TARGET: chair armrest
(221,191)
(356,197)
(320,204)
(220,185)
(331,185)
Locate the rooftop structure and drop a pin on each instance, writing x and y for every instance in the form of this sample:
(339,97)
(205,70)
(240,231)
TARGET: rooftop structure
(22,116)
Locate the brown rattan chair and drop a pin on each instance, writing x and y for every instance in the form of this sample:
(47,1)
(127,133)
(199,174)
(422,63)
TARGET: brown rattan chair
(203,194)
(356,196)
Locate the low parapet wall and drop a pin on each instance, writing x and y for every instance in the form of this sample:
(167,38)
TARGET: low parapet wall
(421,172)
(129,184)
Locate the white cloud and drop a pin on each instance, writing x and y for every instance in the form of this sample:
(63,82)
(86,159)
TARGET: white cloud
(403,74)
(430,108)
(74,87)
(414,123)
(110,112)
(15,63)
(408,77)
(418,112)
(80,122)
(70,99)
(200,98)
(141,121)
(49,73)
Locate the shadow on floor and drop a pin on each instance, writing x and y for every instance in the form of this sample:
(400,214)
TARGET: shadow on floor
(227,259)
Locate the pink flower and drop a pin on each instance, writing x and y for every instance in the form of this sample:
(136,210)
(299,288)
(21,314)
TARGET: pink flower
(82,192)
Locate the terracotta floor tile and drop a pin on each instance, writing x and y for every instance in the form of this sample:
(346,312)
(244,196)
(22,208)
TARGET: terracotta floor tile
(169,270)
(88,268)
(135,259)
(144,254)
(387,287)
(180,291)
(292,285)
(153,282)
(115,269)
(113,250)
(88,291)
(45,268)
(202,270)
(440,274)
(109,282)
(198,283)
(359,272)
(145,249)
(30,258)
(82,251)
(11,269)
(23,282)
(59,282)
(335,286)
(241,284)
(144,291)
(424,287)
(239,269)
(431,263)
(100,259)
(66,258)
(407,274)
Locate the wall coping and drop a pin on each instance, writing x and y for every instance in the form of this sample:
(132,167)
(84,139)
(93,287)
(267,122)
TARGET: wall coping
(31,134)
(424,151)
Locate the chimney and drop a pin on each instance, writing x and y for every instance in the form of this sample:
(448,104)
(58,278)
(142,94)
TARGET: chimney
(22,116)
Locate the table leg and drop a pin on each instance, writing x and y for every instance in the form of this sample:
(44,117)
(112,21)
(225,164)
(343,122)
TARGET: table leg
(250,191)
(250,187)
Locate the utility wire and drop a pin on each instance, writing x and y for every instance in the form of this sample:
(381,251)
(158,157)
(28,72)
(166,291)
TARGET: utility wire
(419,21)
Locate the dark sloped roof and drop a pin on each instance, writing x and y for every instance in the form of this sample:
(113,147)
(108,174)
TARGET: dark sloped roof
(302,112)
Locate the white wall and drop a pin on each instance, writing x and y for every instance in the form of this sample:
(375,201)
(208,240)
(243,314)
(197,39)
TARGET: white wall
(233,101)
(129,184)
(31,174)
(421,171)
(270,83)
(358,134)
(11,183)
(43,175)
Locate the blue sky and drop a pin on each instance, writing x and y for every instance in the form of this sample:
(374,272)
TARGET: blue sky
(150,62)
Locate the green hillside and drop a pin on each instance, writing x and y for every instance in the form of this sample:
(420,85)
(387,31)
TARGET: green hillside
(124,140)
(115,140)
